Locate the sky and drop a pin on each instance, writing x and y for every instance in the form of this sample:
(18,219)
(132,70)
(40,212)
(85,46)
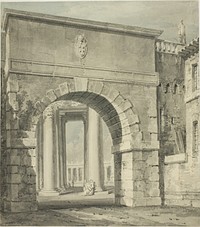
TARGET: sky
(162,15)
(75,142)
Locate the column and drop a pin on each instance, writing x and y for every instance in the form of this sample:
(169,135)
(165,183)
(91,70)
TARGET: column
(93,148)
(39,157)
(48,161)
(61,154)
(86,171)
(64,155)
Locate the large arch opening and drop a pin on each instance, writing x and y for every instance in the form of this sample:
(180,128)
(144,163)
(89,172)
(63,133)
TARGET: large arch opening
(116,113)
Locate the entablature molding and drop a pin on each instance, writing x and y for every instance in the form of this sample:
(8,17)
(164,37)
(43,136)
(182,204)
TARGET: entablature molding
(80,23)
(46,69)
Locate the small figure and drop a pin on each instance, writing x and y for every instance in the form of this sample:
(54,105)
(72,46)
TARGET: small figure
(89,187)
(181,33)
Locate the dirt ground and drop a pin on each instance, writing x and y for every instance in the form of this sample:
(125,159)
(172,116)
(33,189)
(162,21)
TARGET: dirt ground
(70,210)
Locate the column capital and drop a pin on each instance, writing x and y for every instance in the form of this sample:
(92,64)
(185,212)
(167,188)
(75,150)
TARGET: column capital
(48,113)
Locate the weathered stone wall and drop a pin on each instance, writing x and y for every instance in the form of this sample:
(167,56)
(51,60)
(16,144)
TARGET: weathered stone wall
(51,43)
(171,105)
(181,171)
(137,178)
(41,64)
(3,122)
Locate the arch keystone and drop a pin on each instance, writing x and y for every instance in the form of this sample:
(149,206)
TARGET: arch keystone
(80,84)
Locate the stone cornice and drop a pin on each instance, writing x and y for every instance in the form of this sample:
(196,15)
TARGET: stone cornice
(107,27)
(25,67)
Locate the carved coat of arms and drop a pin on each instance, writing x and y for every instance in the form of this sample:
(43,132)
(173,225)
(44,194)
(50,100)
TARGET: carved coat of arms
(81,47)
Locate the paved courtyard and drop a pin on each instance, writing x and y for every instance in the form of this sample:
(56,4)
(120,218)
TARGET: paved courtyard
(76,210)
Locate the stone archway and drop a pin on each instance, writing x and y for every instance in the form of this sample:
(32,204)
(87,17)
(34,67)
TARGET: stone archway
(118,113)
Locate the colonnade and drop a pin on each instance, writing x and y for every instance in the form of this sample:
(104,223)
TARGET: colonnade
(52,160)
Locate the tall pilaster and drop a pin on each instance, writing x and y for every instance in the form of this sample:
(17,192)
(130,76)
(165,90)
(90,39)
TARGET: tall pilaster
(48,161)
(94,148)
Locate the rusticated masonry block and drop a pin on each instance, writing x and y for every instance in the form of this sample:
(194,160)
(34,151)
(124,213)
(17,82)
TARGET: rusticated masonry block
(13,192)
(153,159)
(57,92)
(119,99)
(132,117)
(39,106)
(126,130)
(13,178)
(71,87)
(152,127)
(51,95)
(152,189)
(125,105)
(146,136)
(95,87)
(139,186)
(152,173)
(105,91)
(12,85)
(46,101)
(64,88)
(113,94)
(12,99)
(12,169)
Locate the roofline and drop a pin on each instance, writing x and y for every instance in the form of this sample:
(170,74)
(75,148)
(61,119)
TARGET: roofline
(191,49)
(132,30)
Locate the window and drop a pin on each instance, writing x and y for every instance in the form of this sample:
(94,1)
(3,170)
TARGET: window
(194,77)
(195,137)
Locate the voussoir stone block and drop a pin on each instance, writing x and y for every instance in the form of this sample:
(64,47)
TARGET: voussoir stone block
(64,88)
(39,106)
(46,101)
(113,94)
(125,105)
(51,95)
(57,92)
(105,91)
(95,87)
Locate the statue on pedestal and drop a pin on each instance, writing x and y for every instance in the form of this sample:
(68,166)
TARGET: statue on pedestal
(181,33)
(89,187)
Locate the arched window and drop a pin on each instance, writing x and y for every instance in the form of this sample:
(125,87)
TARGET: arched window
(194,77)
(175,88)
(167,89)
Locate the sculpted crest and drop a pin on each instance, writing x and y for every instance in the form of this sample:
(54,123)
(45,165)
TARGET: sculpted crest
(81,47)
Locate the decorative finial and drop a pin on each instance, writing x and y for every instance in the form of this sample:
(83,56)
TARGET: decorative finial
(181,33)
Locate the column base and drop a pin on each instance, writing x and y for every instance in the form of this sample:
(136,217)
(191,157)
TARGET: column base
(48,193)
(98,189)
